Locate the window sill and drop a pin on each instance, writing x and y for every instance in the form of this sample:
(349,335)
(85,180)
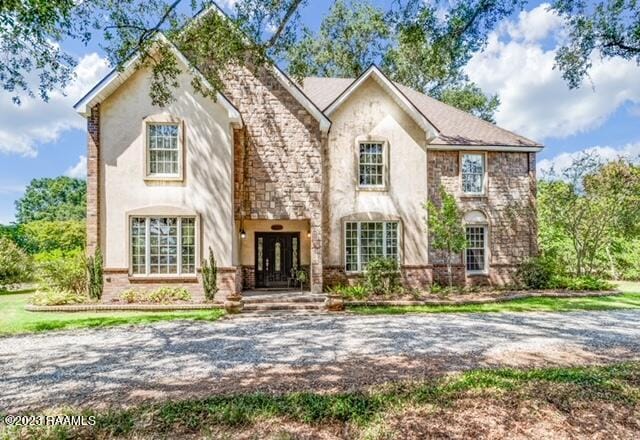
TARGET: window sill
(163,278)
(473,196)
(477,274)
(373,188)
(163,179)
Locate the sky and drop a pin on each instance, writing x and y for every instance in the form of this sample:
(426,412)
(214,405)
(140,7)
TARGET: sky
(40,139)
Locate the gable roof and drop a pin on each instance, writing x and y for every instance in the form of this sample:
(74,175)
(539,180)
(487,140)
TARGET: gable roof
(116,78)
(392,89)
(456,129)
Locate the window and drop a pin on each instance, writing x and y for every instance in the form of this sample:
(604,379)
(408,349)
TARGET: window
(163,245)
(473,173)
(475,254)
(371,164)
(367,240)
(163,150)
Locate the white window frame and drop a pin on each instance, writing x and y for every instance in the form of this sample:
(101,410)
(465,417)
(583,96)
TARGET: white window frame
(358,241)
(147,247)
(163,120)
(485,240)
(385,163)
(484,172)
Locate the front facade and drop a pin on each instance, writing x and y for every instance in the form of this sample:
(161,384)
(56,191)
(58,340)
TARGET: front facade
(275,178)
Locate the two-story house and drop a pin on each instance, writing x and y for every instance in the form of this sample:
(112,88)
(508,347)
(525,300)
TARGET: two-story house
(274,176)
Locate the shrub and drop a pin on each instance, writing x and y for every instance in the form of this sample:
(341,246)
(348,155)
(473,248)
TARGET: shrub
(95,281)
(49,235)
(580,283)
(15,265)
(62,271)
(165,295)
(536,273)
(57,298)
(355,292)
(382,276)
(210,277)
(131,296)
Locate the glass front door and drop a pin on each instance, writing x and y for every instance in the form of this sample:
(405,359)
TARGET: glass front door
(277,258)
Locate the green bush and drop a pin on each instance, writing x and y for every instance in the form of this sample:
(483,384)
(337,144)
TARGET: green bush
(210,277)
(354,292)
(15,265)
(580,283)
(131,296)
(382,276)
(62,271)
(50,235)
(536,273)
(165,295)
(95,281)
(57,298)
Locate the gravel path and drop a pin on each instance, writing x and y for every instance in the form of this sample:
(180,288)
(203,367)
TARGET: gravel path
(125,365)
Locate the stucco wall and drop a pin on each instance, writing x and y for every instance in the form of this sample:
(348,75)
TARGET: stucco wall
(207,188)
(370,111)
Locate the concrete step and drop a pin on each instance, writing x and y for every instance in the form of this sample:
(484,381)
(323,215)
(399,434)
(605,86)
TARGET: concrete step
(284,298)
(292,306)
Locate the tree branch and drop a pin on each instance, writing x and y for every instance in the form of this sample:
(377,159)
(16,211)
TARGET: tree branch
(290,11)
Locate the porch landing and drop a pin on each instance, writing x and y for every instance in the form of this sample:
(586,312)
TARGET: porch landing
(268,300)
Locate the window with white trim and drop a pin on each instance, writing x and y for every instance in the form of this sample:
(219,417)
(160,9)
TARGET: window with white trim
(163,149)
(476,253)
(367,240)
(163,245)
(473,173)
(371,164)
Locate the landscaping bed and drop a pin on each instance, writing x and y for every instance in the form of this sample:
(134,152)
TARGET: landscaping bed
(122,307)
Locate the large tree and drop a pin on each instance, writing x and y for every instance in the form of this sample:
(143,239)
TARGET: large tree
(59,198)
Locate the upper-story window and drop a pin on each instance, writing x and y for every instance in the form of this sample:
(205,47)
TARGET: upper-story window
(371,165)
(473,170)
(163,150)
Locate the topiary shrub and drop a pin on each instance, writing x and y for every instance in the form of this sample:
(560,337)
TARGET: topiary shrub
(15,265)
(95,281)
(210,277)
(62,271)
(535,273)
(57,298)
(382,276)
(166,295)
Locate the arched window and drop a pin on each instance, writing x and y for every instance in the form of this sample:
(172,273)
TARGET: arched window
(476,254)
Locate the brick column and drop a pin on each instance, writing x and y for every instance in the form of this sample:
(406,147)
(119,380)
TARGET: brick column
(93,179)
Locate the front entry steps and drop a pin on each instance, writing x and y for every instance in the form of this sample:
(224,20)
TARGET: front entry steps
(282,302)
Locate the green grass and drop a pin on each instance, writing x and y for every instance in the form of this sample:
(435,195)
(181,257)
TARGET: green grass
(14,319)
(628,300)
(562,387)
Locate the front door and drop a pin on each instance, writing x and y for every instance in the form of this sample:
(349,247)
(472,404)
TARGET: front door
(277,258)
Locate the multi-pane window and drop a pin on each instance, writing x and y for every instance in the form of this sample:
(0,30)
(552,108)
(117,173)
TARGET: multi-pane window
(476,249)
(163,149)
(367,240)
(473,173)
(371,164)
(163,245)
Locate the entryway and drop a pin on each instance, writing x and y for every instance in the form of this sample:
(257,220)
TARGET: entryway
(277,259)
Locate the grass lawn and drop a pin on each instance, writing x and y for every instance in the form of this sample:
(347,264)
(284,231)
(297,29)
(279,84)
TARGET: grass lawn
(15,319)
(628,300)
(545,403)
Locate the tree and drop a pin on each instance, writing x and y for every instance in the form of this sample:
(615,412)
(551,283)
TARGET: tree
(48,235)
(59,198)
(15,264)
(444,223)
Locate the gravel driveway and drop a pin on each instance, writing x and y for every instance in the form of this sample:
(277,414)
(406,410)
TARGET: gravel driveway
(126,365)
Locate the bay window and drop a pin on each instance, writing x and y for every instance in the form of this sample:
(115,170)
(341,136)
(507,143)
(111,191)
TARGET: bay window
(367,240)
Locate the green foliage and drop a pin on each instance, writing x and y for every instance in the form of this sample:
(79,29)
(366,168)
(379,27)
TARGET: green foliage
(57,298)
(471,99)
(62,271)
(302,277)
(15,265)
(165,295)
(95,280)
(444,224)
(59,198)
(49,235)
(353,292)
(382,276)
(131,296)
(580,283)
(210,277)
(536,273)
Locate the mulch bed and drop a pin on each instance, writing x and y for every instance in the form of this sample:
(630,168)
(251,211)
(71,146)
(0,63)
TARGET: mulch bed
(479,297)
(121,307)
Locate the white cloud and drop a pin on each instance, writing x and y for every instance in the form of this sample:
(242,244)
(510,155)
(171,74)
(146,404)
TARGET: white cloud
(7,189)
(79,170)
(607,153)
(35,122)
(535,100)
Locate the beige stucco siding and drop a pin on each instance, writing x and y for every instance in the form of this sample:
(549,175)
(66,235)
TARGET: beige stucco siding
(371,112)
(207,187)
(253,226)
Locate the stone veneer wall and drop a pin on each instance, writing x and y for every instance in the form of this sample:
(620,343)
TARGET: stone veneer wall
(509,205)
(278,163)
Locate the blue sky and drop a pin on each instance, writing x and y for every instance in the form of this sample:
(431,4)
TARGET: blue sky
(48,139)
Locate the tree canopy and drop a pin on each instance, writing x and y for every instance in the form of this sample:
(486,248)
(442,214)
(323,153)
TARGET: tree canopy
(59,198)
